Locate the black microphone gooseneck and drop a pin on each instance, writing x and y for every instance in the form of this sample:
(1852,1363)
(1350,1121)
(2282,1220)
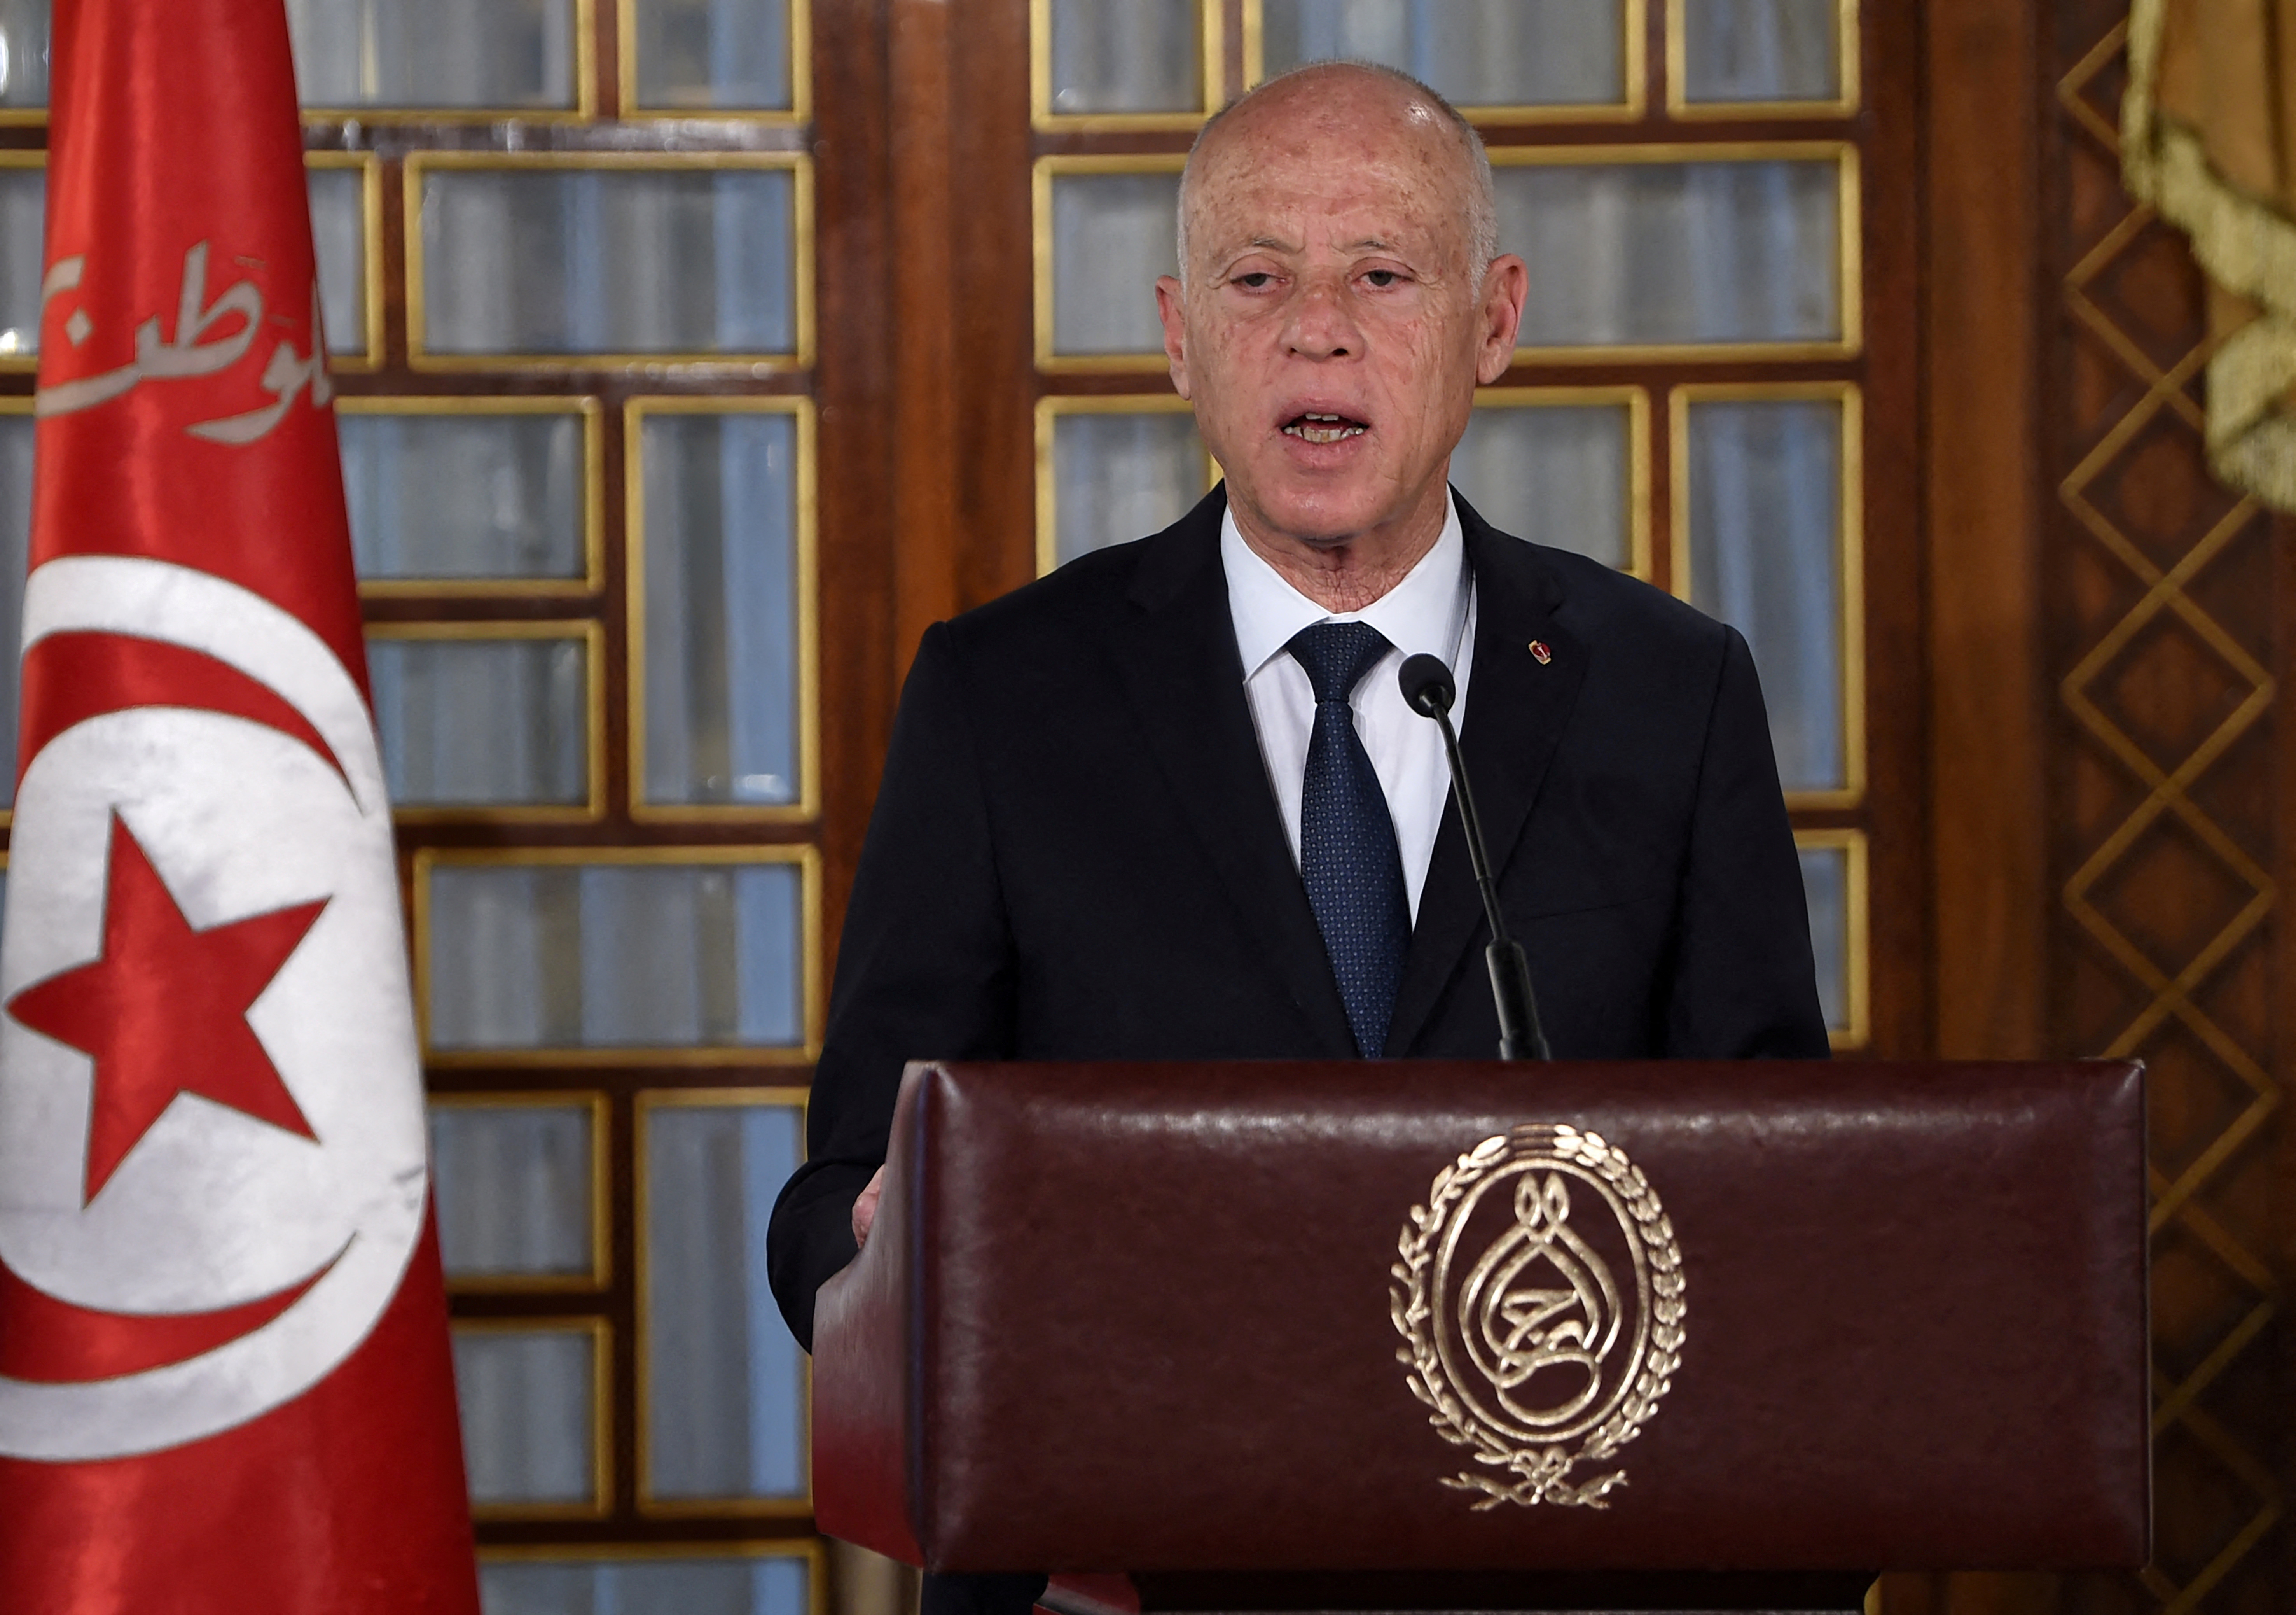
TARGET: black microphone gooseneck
(1428,690)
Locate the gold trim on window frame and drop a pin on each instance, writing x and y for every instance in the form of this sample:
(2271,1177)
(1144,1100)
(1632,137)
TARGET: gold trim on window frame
(599,1278)
(1211,76)
(796,115)
(370,168)
(811,1549)
(807,859)
(1041,176)
(1049,410)
(1680,107)
(592,498)
(1857,946)
(419,165)
(1848,243)
(1640,546)
(808,805)
(1850,541)
(646,1102)
(1634,69)
(591,634)
(601,1331)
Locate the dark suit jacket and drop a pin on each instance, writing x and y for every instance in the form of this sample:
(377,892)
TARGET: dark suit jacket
(1076,854)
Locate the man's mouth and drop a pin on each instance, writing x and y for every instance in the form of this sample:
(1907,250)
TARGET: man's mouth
(1313,428)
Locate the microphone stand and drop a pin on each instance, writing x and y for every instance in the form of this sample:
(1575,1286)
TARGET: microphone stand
(1428,691)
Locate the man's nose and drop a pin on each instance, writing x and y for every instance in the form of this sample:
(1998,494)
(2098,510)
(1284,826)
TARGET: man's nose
(1323,324)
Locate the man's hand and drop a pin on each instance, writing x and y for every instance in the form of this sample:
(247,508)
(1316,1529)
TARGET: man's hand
(864,1209)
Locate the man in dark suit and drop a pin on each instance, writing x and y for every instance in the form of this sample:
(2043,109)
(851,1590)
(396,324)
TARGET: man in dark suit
(1167,804)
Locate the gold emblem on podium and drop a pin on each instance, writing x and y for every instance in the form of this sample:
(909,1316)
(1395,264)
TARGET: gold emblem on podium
(1539,1296)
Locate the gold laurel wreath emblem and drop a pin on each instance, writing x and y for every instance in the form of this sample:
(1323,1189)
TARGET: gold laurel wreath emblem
(1541,1473)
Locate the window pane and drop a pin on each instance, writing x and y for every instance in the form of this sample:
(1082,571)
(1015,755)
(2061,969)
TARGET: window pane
(1474,53)
(721,607)
(15,550)
(1127,56)
(23,52)
(707,55)
(465,496)
(24,225)
(1555,474)
(338,232)
(513,1189)
(1676,252)
(616,956)
(558,260)
(724,1382)
(528,1400)
(1761,50)
(1826,880)
(645,1586)
(1112,236)
(433,52)
(1117,477)
(480,722)
(1764,557)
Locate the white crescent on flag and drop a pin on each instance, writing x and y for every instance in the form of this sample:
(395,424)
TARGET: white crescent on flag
(210,1206)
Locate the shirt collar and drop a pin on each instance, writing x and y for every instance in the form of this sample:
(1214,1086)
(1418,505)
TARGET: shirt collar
(1425,611)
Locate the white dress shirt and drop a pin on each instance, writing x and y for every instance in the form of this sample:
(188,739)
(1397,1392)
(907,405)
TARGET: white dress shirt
(1431,610)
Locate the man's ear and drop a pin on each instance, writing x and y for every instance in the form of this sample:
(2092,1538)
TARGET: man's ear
(1507,283)
(1173,311)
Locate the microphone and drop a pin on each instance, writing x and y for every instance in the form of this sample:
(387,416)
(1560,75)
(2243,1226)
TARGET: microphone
(1428,690)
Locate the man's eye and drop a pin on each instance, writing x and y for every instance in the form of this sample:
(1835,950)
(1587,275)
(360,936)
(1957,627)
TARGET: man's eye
(1381,278)
(1255,280)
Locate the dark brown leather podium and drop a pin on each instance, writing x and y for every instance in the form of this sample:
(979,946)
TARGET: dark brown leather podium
(1434,1335)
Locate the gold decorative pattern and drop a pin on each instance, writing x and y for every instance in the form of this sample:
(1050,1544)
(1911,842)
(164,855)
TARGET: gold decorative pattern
(2220,1500)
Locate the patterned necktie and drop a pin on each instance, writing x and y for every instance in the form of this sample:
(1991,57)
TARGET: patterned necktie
(1348,854)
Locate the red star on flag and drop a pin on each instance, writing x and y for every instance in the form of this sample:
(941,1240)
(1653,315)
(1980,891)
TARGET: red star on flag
(163,1010)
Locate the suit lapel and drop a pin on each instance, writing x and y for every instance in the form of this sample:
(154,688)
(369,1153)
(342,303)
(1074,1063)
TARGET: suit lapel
(1184,680)
(1517,707)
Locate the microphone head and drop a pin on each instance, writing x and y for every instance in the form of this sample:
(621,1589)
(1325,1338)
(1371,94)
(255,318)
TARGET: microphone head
(1426,684)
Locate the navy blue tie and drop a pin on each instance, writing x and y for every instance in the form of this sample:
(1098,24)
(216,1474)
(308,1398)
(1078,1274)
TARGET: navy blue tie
(1348,854)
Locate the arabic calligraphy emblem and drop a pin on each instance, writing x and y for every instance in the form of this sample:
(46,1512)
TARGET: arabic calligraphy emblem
(1539,1295)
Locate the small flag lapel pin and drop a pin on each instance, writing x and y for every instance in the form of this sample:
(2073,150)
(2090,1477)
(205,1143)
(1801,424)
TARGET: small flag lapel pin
(1538,649)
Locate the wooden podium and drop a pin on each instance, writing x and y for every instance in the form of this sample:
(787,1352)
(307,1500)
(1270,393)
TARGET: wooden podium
(1400,1334)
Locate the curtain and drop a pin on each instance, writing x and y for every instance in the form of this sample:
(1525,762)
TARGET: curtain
(2208,139)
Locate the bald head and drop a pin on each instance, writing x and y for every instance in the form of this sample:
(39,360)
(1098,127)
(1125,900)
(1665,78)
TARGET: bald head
(1351,94)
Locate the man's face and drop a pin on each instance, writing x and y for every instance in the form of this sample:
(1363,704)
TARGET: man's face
(1329,334)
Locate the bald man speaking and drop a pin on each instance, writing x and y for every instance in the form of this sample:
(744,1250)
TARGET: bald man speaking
(1168,802)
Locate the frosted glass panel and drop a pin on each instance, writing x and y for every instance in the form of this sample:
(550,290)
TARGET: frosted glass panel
(707,55)
(24,225)
(616,956)
(724,1382)
(1473,53)
(513,1189)
(1555,474)
(645,1586)
(15,550)
(1676,252)
(23,52)
(1127,56)
(1121,477)
(1761,50)
(433,52)
(721,608)
(338,232)
(1826,880)
(1112,236)
(528,1401)
(562,261)
(1764,557)
(479,722)
(463,496)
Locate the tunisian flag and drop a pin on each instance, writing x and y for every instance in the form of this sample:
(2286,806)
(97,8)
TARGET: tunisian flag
(224,1383)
